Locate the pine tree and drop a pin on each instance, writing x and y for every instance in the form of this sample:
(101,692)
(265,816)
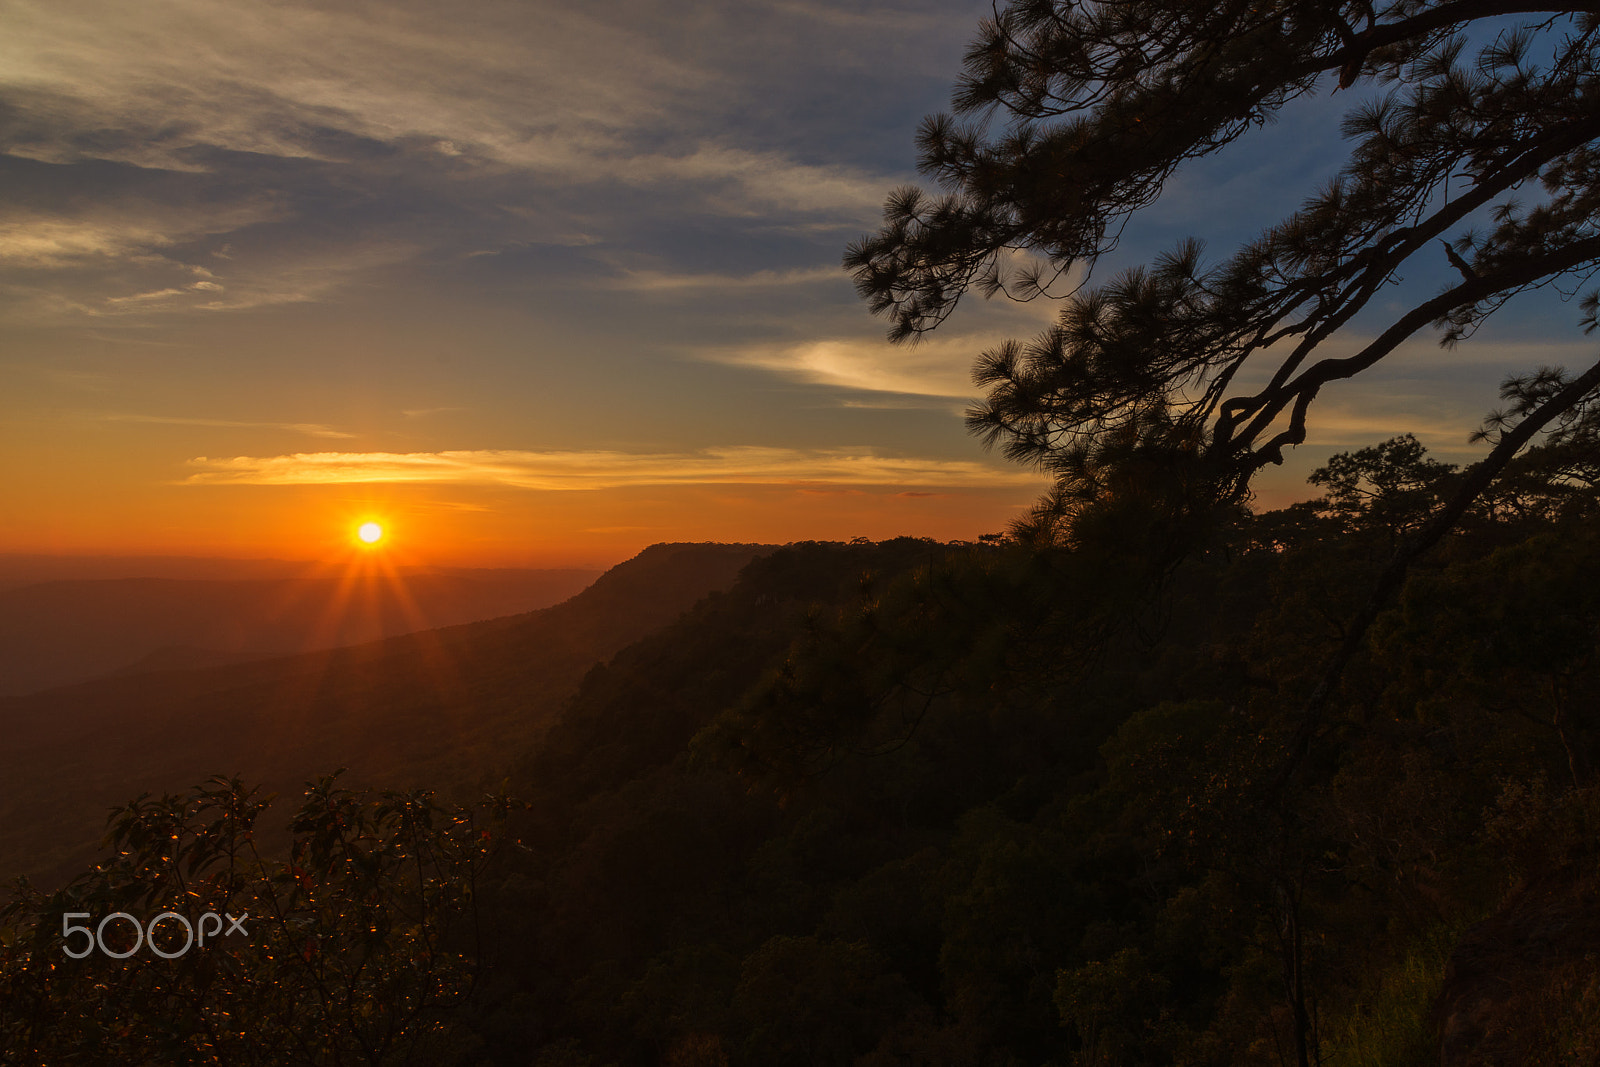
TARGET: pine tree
(1072,116)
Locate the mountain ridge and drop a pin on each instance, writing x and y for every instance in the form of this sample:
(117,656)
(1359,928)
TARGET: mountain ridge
(439,706)
(63,631)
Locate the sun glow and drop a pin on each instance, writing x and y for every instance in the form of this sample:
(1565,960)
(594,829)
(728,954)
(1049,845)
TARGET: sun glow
(370,533)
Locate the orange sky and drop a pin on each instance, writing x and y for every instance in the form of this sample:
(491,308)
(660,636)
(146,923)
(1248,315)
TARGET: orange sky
(492,527)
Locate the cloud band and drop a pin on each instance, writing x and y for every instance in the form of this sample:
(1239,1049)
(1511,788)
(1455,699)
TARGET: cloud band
(604,470)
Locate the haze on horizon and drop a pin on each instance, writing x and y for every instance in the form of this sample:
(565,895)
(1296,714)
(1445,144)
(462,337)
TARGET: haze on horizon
(529,286)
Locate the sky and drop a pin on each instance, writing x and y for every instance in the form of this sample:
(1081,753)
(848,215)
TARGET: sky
(533,283)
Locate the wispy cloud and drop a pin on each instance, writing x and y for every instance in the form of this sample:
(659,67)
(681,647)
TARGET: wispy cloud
(116,230)
(418,413)
(122,257)
(310,275)
(604,470)
(560,92)
(238,76)
(939,367)
(663,281)
(271,139)
(149,284)
(311,429)
(743,182)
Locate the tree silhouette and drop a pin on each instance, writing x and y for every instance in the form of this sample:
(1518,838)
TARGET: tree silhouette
(1072,116)
(1392,486)
(360,947)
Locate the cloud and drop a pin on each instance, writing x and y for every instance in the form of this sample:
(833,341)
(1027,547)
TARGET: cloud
(307,275)
(118,229)
(764,180)
(235,75)
(551,91)
(662,281)
(939,366)
(144,298)
(603,470)
(300,131)
(41,243)
(164,284)
(311,429)
(883,17)
(133,256)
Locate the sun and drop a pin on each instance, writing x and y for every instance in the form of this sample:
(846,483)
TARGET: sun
(370,533)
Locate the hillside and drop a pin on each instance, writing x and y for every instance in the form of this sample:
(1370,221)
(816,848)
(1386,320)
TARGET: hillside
(905,802)
(67,631)
(446,708)
(993,805)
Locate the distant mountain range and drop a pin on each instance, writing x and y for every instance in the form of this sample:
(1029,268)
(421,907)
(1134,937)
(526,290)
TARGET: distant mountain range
(19,568)
(447,708)
(60,632)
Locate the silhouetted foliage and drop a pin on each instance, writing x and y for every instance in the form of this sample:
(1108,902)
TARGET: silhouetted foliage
(357,948)
(1181,379)
(1391,487)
